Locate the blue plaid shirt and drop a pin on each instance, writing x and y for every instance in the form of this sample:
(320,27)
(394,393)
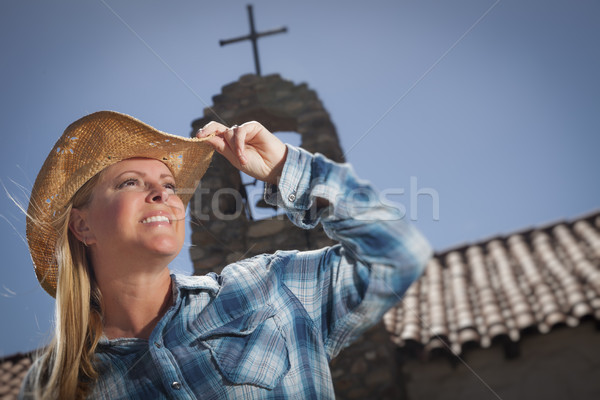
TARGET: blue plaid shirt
(267,327)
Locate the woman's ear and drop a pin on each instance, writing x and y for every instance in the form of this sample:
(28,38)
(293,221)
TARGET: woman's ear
(79,227)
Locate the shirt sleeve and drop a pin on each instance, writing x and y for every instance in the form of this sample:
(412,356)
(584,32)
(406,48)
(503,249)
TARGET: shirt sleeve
(348,287)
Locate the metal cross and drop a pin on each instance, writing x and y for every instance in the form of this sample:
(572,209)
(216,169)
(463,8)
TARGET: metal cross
(253,36)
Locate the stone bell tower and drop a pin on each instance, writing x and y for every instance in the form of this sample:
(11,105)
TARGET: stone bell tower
(224,229)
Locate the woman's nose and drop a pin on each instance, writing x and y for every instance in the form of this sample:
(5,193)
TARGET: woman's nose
(158,194)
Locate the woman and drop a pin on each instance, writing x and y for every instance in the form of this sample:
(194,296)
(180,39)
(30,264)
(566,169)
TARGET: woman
(106,217)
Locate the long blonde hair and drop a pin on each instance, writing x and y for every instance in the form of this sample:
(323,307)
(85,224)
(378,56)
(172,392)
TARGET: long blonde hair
(66,369)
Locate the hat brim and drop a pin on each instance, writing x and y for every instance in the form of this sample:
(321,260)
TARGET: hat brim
(88,146)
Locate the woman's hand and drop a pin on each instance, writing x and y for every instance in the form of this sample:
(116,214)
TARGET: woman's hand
(250,147)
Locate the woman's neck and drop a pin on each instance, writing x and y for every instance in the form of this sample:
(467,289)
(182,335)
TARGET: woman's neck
(134,304)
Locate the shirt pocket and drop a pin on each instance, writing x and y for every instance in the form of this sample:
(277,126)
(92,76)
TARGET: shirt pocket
(250,349)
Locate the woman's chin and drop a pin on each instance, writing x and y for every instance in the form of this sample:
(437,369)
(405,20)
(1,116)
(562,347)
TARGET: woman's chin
(166,247)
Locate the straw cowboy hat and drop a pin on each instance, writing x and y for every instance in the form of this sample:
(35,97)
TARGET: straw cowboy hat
(87,146)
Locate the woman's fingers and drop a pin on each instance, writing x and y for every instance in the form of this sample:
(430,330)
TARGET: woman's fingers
(210,129)
(234,139)
(239,143)
(250,147)
(228,141)
(218,143)
(214,132)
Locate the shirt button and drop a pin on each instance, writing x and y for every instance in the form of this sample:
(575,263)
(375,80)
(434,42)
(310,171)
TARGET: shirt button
(176,385)
(158,345)
(292,197)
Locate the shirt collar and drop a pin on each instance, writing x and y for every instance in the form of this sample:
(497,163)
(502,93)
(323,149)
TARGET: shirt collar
(193,282)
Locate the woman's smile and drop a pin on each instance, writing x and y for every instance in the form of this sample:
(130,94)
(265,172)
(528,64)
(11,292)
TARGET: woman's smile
(158,220)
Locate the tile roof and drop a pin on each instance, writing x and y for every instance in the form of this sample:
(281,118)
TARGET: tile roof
(12,372)
(502,288)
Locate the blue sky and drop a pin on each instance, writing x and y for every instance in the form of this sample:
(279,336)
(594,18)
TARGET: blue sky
(493,106)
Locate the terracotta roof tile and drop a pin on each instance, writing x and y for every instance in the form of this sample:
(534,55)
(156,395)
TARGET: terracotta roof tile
(500,288)
(12,372)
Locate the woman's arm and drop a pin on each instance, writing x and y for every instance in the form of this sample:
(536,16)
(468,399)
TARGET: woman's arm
(348,287)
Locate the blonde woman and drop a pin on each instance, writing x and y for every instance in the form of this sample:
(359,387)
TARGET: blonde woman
(106,217)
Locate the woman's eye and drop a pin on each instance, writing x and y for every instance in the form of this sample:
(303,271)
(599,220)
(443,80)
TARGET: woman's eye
(170,186)
(131,182)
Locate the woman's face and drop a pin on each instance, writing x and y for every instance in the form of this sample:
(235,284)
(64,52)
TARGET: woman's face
(134,211)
